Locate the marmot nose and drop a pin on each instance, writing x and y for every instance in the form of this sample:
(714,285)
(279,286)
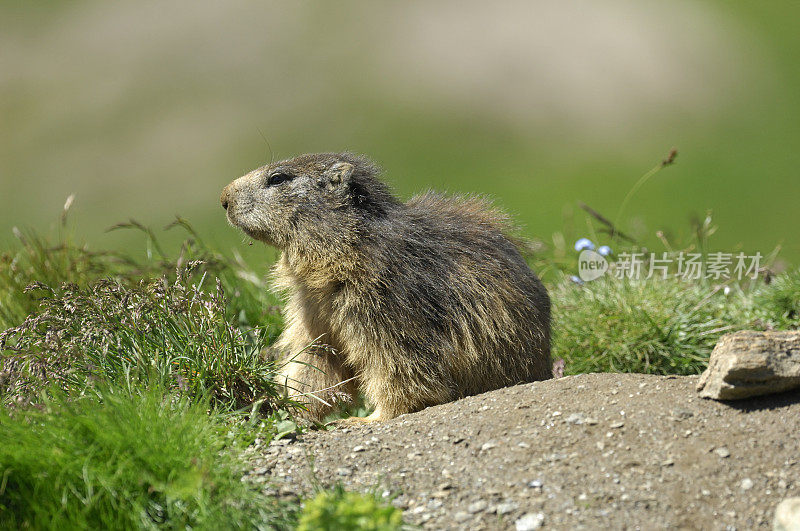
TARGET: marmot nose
(224,198)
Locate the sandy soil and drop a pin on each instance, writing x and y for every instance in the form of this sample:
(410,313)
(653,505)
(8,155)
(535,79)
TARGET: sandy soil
(620,451)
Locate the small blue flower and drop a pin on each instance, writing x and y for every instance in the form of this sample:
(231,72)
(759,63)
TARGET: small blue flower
(584,243)
(576,280)
(604,250)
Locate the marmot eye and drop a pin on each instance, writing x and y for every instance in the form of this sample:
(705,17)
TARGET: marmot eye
(278,178)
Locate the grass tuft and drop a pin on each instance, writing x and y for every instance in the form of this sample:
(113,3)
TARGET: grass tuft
(38,259)
(777,304)
(171,334)
(337,509)
(151,460)
(658,326)
(195,322)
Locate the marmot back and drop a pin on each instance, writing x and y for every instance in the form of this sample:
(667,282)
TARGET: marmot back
(415,303)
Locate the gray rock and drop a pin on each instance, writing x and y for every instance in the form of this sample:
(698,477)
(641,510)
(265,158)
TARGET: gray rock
(574,418)
(461,516)
(787,515)
(477,506)
(748,363)
(506,507)
(529,522)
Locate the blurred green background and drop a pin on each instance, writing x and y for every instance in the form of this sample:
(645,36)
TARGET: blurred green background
(147,109)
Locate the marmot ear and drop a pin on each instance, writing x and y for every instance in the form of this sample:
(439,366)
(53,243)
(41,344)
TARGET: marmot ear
(339,172)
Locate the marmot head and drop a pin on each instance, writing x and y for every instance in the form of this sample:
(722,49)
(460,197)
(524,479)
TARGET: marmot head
(308,201)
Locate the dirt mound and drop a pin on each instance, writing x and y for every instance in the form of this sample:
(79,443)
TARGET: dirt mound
(595,450)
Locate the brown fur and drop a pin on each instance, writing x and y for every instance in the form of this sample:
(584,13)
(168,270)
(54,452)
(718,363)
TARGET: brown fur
(419,303)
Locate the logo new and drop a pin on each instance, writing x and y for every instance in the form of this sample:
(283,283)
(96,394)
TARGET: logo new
(591,265)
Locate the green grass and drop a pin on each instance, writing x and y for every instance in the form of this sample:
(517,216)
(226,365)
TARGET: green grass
(37,259)
(337,509)
(101,317)
(777,304)
(57,260)
(123,460)
(657,326)
(157,332)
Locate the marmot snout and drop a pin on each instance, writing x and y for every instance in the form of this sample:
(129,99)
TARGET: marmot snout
(415,304)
